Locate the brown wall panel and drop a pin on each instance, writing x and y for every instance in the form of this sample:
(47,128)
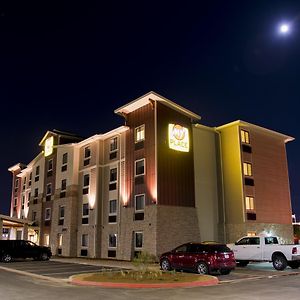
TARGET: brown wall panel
(175,168)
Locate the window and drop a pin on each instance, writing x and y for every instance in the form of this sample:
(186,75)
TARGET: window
(16,185)
(46,240)
(84,240)
(63,188)
(140,167)
(64,162)
(36,194)
(85,213)
(61,215)
(249,203)
(112,207)
(37,174)
(87,156)
(245,136)
(24,184)
(247,169)
(140,203)
(113,144)
(15,201)
(86,184)
(28,199)
(34,216)
(112,240)
(30,179)
(138,240)
(113,175)
(59,240)
(23,201)
(47,214)
(50,165)
(49,189)
(139,134)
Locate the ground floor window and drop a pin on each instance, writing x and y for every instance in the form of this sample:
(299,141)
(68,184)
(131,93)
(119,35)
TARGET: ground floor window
(138,240)
(46,240)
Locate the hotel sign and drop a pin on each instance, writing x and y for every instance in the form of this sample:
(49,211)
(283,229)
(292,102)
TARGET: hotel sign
(49,146)
(179,138)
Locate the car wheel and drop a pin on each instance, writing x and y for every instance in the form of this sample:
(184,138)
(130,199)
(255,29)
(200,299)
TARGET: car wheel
(225,271)
(165,265)
(294,264)
(6,258)
(44,256)
(279,262)
(202,268)
(242,263)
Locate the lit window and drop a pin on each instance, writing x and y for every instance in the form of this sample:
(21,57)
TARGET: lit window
(112,240)
(60,240)
(245,137)
(249,203)
(139,134)
(140,167)
(138,240)
(139,203)
(247,169)
(46,240)
(47,214)
(112,207)
(113,144)
(113,175)
(84,240)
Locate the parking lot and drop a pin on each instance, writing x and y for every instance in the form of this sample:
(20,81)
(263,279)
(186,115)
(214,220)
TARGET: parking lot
(64,268)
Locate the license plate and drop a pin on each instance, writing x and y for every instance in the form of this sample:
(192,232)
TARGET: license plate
(226,255)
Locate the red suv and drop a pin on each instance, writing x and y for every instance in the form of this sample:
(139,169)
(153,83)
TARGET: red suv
(200,257)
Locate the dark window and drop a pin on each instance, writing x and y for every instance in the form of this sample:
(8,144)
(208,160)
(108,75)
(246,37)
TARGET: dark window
(246,148)
(112,219)
(139,180)
(249,181)
(65,159)
(181,249)
(138,240)
(139,203)
(64,168)
(112,253)
(139,167)
(139,216)
(113,144)
(37,173)
(64,184)
(251,216)
(62,195)
(83,252)
(112,240)
(87,155)
(113,175)
(113,155)
(139,145)
(112,186)
(86,183)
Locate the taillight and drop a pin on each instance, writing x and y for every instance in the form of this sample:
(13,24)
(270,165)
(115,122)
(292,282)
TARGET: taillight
(294,250)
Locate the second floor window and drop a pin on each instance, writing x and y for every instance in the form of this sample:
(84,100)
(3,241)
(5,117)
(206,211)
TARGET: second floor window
(47,214)
(249,203)
(49,189)
(139,134)
(140,203)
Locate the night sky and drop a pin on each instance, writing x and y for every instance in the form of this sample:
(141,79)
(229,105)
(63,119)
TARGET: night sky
(69,66)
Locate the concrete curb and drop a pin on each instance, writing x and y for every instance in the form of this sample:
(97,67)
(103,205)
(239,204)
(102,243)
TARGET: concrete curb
(76,281)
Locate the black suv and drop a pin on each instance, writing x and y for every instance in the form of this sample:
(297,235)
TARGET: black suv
(10,249)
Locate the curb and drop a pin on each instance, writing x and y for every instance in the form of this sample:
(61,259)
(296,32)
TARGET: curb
(75,281)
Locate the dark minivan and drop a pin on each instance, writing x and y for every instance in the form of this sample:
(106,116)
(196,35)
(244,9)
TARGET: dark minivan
(10,249)
(200,257)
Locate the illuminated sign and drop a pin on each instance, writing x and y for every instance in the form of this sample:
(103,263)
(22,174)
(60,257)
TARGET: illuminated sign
(49,146)
(178,138)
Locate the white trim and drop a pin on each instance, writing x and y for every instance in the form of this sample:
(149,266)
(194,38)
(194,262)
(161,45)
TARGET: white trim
(47,209)
(139,210)
(135,133)
(113,247)
(135,233)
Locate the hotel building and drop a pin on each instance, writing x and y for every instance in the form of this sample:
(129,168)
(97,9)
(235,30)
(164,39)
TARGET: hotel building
(159,180)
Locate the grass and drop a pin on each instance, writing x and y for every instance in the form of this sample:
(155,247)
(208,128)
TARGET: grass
(143,277)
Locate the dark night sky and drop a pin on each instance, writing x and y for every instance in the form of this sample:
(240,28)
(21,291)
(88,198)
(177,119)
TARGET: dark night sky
(69,66)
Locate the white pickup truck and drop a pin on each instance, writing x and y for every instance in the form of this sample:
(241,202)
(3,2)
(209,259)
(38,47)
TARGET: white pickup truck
(266,248)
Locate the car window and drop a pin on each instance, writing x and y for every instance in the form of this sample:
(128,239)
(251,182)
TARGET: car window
(218,248)
(271,240)
(182,248)
(244,241)
(254,241)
